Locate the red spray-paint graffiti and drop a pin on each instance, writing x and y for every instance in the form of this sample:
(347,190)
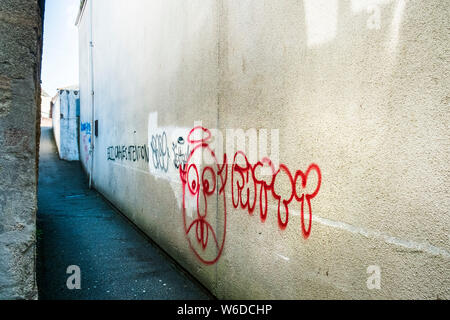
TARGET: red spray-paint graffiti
(245,186)
(202,187)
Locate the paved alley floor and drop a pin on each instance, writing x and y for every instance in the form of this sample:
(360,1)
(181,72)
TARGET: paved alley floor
(77,227)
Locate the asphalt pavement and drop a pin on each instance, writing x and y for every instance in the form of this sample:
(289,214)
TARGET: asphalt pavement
(77,227)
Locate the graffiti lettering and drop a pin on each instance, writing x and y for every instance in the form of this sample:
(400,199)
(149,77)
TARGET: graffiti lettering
(160,152)
(86,127)
(203,185)
(244,178)
(86,139)
(180,153)
(130,153)
(248,189)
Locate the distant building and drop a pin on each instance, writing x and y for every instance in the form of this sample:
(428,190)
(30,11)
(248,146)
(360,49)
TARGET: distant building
(65,108)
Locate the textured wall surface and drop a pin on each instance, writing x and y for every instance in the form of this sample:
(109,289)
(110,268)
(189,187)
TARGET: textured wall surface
(20,57)
(358,91)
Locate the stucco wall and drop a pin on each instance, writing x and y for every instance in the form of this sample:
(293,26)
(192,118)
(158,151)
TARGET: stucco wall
(358,91)
(20,59)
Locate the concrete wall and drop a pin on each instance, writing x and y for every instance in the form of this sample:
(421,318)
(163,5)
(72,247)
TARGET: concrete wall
(358,91)
(20,58)
(66,119)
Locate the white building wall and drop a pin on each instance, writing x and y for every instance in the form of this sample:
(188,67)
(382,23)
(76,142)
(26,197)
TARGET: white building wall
(66,124)
(85,91)
(359,88)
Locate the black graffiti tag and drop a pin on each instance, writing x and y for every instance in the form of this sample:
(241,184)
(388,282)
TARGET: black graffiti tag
(160,152)
(133,153)
(180,153)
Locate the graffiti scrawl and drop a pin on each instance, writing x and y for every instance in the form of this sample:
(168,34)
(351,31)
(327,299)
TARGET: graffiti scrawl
(248,189)
(160,152)
(180,152)
(86,132)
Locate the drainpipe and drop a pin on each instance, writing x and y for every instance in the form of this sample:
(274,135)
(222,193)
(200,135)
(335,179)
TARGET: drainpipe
(91,54)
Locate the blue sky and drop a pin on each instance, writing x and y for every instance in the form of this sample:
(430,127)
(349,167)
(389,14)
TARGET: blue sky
(60,51)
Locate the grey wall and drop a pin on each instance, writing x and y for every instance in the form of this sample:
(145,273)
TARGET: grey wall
(20,58)
(359,88)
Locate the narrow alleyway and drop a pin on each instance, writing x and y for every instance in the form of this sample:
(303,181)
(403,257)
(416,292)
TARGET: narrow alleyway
(77,227)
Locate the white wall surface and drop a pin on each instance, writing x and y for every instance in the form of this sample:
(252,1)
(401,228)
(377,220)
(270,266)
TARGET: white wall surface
(359,88)
(66,124)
